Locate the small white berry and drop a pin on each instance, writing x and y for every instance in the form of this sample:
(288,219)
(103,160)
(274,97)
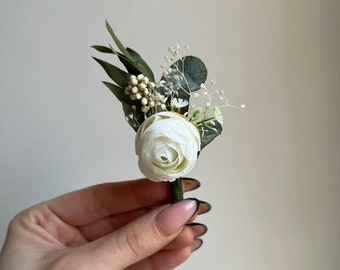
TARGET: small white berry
(142,86)
(151,104)
(145,80)
(133,80)
(145,109)
(144,101)
(134,90)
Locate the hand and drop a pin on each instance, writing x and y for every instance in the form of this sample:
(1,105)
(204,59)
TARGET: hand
(123,225)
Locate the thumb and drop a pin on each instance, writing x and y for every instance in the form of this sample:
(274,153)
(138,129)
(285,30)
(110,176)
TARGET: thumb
(140,238)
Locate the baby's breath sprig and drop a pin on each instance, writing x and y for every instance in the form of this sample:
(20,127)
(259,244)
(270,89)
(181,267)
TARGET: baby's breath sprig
(173,74)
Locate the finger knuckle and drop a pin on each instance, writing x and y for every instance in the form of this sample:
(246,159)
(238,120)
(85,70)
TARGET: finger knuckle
(131,243)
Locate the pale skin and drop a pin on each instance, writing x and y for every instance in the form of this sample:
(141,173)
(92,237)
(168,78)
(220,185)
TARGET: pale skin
(109,226)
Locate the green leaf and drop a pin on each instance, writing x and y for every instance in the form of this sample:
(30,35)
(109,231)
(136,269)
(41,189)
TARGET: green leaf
(193,71)
(105,49)
(135,67)
(127,106)
(117,41)
(131,67)
(176,189)
(118,92)
(209,134)
(132,61)
(188,73)
(141,64)
(102,49)
(117,75)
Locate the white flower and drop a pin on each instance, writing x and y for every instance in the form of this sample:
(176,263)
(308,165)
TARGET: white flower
(167,146)
(179,103)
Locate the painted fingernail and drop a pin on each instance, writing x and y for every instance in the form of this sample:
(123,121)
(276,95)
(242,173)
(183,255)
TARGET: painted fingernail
(190,184)
(203,208)
(198,229)
(177,215)
(196,244)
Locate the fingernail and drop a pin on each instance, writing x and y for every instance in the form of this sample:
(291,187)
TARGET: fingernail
(203,208)
(175,216)
(190,184)
(196,244)
(198,229)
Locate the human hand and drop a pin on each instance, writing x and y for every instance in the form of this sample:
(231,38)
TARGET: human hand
(123,225)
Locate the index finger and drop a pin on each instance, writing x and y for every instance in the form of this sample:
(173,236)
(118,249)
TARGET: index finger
(87,205)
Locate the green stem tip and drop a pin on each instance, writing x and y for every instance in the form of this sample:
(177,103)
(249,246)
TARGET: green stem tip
(176,190)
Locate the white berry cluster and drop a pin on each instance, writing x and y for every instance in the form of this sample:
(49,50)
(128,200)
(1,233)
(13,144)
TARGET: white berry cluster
(140,88)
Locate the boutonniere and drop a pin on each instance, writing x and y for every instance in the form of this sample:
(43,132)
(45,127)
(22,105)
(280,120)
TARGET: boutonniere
(171,130)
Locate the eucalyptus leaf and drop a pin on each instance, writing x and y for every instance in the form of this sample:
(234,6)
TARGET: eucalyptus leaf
(187,74)
(192,72)
(116,74)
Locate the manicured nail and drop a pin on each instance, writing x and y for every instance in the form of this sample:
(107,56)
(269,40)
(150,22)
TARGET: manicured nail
(196,244)
(198,229)
(177,215)
(190,184)
(203,208)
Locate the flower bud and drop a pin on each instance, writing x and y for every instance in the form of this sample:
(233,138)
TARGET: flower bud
(133,80)
(134,90)
(144,101)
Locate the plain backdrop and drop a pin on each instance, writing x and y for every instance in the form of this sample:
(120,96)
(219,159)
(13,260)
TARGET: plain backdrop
(272,177)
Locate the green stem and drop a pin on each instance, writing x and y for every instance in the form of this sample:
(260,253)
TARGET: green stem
(176,190)
(205,120)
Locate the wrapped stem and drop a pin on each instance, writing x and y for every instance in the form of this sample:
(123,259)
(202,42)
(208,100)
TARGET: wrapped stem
(176,190)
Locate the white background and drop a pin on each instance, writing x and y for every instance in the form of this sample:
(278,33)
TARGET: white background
(272,177)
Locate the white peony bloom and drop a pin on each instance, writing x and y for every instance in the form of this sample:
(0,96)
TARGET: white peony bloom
(167,146)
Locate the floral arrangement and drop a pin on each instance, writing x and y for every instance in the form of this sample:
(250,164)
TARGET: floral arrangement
(170,130)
